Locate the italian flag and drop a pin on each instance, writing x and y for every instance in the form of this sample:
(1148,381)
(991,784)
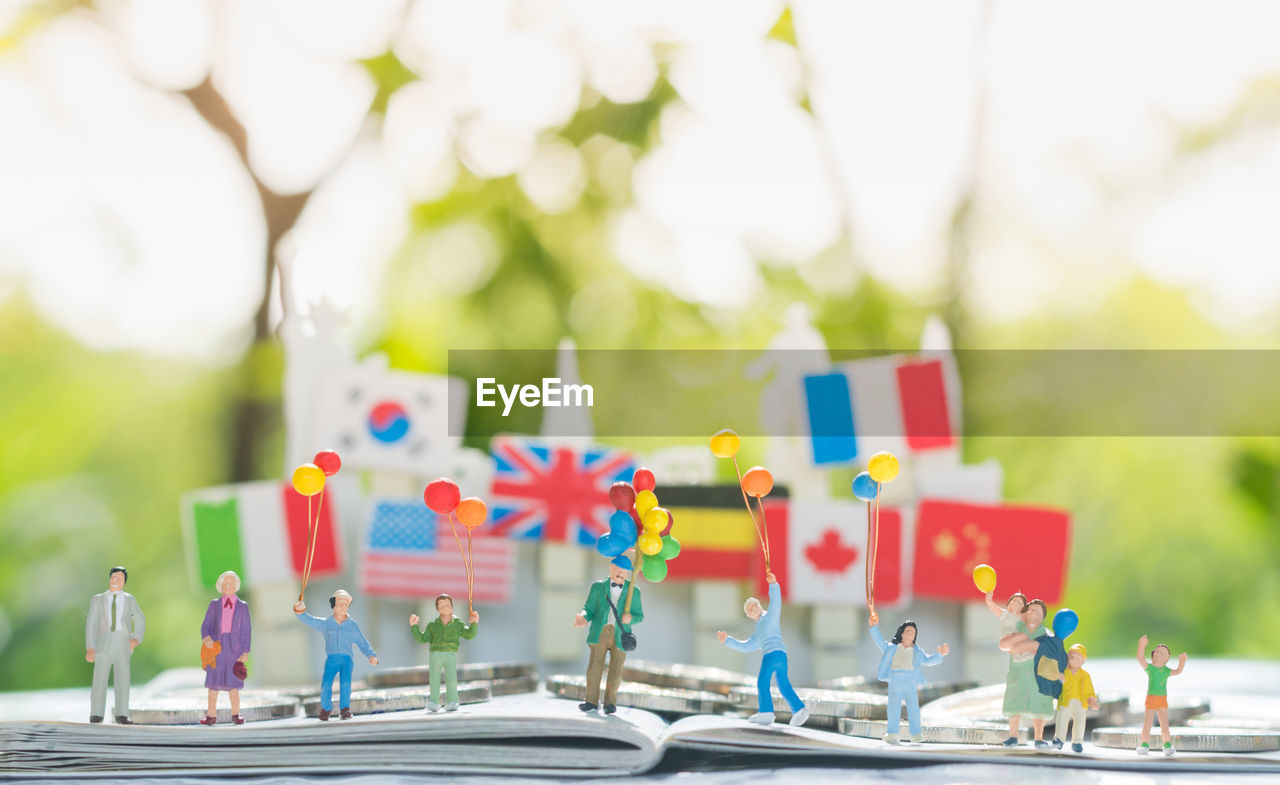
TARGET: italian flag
(259,530)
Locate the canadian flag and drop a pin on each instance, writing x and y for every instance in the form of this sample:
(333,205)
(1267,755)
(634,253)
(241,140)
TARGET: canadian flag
(825,548)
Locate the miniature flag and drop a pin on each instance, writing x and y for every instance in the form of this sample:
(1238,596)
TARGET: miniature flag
(1027,546)
(551,492)
(389,420)
(826,552)
(893,403)
(259,530)
(717,539)
(409,552)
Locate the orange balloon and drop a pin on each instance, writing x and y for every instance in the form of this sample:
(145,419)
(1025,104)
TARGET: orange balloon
(757,481)
(471,511)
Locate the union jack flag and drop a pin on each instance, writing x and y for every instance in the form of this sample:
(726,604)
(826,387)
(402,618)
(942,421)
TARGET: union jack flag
(552,492)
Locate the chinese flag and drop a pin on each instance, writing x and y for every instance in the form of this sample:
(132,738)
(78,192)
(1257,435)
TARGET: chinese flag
(1027,546)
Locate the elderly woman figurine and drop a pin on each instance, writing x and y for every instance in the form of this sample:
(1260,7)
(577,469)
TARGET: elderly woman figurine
(227,632)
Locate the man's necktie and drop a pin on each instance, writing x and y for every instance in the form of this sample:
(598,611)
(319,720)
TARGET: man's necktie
(113,612)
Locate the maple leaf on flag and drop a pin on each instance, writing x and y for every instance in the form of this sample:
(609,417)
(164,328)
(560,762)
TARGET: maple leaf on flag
(830,554)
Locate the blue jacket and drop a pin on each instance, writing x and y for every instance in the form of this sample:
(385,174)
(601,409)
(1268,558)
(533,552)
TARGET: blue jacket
(918,658)
(767,635)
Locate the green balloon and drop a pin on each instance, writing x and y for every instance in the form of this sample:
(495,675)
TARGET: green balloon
(654,569)
(670,547)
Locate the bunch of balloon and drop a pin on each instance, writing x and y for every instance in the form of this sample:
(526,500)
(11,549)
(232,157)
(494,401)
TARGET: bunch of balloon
(757,483)
(308,480)
(639,522)
(443,497)
(881,468)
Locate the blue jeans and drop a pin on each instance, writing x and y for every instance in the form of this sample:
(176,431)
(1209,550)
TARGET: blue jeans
(339,665)
(903,689)
(775,662)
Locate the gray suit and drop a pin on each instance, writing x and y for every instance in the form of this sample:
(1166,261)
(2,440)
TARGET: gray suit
(111,648)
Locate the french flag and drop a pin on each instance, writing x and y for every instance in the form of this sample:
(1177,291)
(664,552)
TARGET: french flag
(896,403)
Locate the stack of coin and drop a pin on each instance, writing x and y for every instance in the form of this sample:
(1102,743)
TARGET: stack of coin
(956,732)
(1192,739)
(188,707)
(663,700)
(375,701)
(467,672)
(685,677)
(1181,711)
(304,691)
(826,707)
(986,704)
(1242,722)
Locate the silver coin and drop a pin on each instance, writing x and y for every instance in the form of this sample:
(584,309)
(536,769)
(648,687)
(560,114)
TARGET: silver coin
(188,707)
(398,699)
(664,700)
(986,704)
(467,671)
(304,691)
(952,733)
(685,677)
(514,686)
(826,707)
(1191,739)
(1250,723)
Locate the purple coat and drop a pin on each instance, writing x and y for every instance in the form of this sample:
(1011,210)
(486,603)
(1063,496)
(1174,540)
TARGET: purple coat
(234,643)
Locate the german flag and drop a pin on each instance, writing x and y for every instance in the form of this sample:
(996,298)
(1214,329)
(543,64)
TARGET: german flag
(718,541)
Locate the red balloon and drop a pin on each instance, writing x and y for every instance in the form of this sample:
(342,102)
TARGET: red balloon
(643,480)
(328,461)
(442,495)
(622,496)
(671,521)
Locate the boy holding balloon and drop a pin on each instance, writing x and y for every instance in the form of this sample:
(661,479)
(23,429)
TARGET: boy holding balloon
(767,637)
(442,636)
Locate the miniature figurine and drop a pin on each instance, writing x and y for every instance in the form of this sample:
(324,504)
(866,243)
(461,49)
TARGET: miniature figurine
(1077,693)
(1022,696)
(1009,615)
(609,620)
(227,633)
(442,636)
(902,664)
(340,633)
(1157,704)
(767,637)
(111,633)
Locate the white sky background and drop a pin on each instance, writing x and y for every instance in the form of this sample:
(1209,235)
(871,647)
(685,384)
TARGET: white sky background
(132,224)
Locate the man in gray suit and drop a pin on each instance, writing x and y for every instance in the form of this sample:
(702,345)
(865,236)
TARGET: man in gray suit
(114,629)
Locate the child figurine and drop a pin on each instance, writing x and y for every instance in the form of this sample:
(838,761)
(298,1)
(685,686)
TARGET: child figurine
(227,633)
(1077,693)
(340,633)
(1009,615)
(768,638)
(442,636)
(902,665)
(1158,673)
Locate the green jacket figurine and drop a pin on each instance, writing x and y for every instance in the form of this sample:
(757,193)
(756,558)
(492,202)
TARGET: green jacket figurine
(444,637)
(597,611)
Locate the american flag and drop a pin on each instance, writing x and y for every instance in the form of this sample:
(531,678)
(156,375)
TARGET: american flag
(409,552)
(553,492)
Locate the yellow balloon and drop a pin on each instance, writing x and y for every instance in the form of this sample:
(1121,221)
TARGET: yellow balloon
(984,577)
(883,467)
(308,479)
(725,444)
(649,543)
(655,520)
(645,501)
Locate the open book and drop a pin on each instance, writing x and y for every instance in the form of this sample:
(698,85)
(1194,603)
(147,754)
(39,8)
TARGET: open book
(519,734)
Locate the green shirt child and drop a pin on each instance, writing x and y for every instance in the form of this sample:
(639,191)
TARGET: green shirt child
(442,639)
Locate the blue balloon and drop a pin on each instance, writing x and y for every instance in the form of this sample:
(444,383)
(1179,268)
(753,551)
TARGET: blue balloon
(623,562)
(623,527)
(864,487)
(1065,622)
(610,546)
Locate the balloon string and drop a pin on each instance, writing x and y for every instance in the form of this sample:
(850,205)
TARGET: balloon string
(314,537)
(306,560)
(875,547)
(763,538)
(466,565)
(471,577)
(765,523)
